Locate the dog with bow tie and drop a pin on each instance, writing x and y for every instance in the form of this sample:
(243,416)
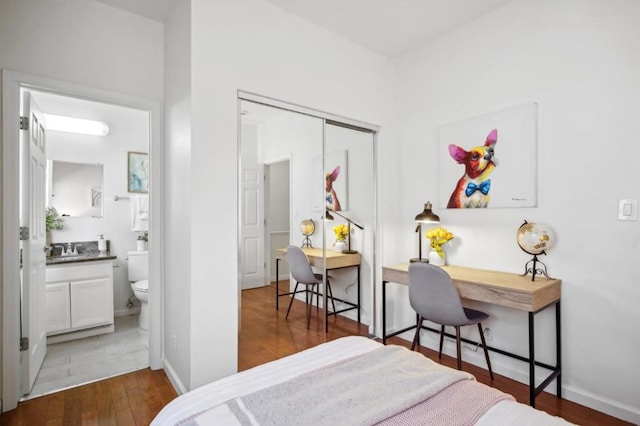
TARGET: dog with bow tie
(473,187)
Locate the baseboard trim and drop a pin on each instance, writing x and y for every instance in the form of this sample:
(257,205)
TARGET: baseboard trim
(173,378)
(602,404)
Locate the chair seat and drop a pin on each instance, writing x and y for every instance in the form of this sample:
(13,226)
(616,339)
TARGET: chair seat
(474,316)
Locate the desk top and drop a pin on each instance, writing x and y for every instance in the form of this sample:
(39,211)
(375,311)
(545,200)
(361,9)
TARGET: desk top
(498,288)
(335,260)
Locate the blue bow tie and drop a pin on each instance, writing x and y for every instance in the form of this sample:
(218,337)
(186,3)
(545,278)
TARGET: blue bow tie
(483,187)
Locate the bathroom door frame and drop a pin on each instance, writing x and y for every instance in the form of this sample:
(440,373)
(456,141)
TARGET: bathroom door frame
(12,83)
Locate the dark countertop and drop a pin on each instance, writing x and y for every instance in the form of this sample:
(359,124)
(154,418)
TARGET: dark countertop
(78,258)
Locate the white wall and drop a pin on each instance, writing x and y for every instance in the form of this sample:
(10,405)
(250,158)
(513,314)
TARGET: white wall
(83,42)
(178,247)
(129,131)
(254,46)
(579,60)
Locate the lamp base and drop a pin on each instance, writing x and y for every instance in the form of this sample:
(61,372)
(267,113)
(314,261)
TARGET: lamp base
(418,259)
(349,251)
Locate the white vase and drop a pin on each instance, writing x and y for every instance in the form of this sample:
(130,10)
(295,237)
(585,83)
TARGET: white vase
(141,245)
(435,259)
(339,246)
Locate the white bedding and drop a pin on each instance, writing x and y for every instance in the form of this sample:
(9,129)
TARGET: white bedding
(204,398)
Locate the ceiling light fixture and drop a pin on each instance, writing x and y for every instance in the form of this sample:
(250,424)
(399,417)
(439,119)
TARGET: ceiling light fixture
(60,123)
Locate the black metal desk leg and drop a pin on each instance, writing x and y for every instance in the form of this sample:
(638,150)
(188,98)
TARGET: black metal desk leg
(384,312)
(358,294)
(277,283)
(532,362)
(558,352)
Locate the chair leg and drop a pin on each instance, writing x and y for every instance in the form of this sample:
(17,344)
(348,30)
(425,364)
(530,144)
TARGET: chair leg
(441,342)
(486,352)
(459,356)
(293,296)
(417,335)
(309,299)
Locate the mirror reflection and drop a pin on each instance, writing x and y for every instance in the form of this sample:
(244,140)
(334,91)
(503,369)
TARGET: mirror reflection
(75,189)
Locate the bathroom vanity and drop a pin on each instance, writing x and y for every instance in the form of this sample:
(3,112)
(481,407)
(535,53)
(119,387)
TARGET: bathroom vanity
(79,293)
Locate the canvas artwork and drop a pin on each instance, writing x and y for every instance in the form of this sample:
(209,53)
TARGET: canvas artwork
(489,161)
(335,181)
(138,172)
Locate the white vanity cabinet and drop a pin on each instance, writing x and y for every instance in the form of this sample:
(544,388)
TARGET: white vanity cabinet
(79,300)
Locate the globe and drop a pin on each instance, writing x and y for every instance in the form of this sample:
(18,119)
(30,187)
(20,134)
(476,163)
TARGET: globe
(307,227)
(535,238)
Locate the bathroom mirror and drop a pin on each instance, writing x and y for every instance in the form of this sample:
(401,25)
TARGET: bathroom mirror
(75,189)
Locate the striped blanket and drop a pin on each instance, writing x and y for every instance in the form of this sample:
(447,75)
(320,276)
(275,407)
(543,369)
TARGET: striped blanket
(389,385)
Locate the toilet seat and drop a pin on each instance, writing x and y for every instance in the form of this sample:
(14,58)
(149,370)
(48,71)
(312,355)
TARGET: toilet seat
(142,285)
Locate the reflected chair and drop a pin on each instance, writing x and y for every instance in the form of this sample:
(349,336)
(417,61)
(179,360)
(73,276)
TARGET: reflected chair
(434,298)
(302,273)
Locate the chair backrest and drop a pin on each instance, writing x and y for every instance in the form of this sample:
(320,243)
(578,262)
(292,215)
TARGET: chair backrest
(433,296)
(299,266)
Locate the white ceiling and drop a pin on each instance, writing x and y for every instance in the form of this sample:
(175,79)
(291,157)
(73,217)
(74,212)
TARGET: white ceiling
(388,27)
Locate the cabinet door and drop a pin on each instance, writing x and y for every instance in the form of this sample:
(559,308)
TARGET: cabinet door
(58,305)
(91,303)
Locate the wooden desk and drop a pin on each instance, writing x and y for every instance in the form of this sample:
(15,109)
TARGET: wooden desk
(497,288)
(334,260)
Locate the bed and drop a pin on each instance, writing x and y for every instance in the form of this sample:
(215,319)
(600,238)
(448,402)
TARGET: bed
(350,381)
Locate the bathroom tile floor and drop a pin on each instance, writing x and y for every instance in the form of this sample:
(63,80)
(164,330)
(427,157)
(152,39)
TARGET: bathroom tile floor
(81,361)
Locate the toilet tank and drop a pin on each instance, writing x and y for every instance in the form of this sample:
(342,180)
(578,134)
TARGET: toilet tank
(138,265)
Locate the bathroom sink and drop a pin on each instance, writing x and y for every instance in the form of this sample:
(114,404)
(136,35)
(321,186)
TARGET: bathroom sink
(56,260)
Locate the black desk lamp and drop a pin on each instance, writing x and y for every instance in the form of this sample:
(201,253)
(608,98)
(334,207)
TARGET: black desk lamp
(328,216)
(426,216)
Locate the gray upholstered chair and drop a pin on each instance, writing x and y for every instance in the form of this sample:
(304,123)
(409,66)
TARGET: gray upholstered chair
(303,274)
(434,298)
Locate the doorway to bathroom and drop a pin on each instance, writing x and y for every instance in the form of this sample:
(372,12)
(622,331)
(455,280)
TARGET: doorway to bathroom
(131,129)
(87,185)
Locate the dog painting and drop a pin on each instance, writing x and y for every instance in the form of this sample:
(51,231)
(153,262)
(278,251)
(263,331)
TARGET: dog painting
(469,174)
(473,187)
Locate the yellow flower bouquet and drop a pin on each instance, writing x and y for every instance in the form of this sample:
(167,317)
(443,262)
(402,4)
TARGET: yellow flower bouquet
(439,236)
(341,232)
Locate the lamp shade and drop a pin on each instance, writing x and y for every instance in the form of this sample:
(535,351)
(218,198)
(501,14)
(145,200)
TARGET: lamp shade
(427,216)
(327,215)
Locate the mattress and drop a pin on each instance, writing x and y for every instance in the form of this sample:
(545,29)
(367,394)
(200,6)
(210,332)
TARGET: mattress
(208,404)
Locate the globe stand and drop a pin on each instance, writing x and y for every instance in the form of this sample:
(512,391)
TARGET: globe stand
(533,267)
(306,242)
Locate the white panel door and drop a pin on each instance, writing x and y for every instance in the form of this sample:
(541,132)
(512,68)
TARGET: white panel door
(252,235)
(33,165)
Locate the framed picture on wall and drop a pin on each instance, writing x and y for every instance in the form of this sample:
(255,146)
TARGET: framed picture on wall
(138,172)
(489,161)
(334,181)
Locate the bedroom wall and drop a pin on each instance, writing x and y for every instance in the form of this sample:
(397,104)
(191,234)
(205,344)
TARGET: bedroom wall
(578,60)
(177,291)
(83,42)
(254,46)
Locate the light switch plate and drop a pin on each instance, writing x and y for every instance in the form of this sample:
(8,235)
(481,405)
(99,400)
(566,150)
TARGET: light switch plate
(628,210)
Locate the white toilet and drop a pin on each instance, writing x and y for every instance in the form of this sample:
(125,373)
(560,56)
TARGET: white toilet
(139,279)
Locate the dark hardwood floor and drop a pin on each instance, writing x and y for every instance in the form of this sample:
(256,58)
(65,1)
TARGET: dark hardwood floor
(135,398)
(130,399)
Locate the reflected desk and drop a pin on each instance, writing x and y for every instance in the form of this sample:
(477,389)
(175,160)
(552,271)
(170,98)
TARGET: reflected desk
(316,258)
(496,288)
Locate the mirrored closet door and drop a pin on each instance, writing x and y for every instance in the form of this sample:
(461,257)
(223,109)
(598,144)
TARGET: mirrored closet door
(306,179)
